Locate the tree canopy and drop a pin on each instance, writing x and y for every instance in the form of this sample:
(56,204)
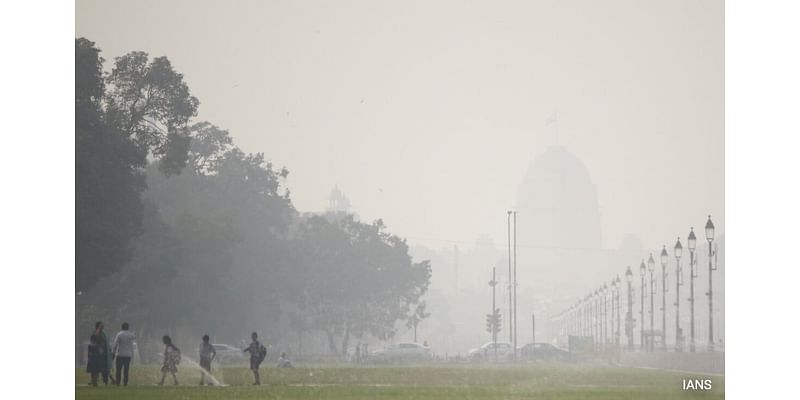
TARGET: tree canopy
(178,228)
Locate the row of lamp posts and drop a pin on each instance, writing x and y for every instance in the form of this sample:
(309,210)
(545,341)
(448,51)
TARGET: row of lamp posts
(589,315)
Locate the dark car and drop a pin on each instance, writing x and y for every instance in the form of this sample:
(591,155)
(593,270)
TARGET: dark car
(542,351)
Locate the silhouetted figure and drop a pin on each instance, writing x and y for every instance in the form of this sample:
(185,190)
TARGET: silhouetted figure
(207,354)
(123,352)
(172,357)
(99,330)
(96,360)
(257,355)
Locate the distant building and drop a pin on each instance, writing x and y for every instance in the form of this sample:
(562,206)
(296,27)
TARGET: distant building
(558,223)
(338,202)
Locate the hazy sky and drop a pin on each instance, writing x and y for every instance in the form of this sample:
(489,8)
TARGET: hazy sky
(428,113)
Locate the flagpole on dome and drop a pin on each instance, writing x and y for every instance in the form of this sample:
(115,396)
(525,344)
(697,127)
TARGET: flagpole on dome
(553,120)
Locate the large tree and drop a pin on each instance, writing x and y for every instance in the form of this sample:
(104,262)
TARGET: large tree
(142,108)
(151,103)
(108,178)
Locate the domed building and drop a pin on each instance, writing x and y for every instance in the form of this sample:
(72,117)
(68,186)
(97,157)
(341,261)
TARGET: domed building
(558,222)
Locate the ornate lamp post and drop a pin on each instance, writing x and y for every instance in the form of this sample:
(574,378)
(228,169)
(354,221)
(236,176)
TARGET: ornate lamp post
(617,286)
(692,243)
(678,252)
(596,312)
(642,272)
(629,314)
(651,266)
(613,310)
(664,261)
(711,268)
(587,317)
(604,294)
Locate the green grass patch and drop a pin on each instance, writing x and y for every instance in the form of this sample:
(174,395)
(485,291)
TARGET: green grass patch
(536,381)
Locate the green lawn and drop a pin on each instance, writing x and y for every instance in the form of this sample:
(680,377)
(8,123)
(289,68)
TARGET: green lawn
(538,381)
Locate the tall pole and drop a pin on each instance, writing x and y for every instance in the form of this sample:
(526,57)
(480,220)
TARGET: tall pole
(605,316)
(678,283)
(515,285)
(663,307)
(494,313)
(510,322)
(629,316)
(652,308)
(641,330)
(710,301)
(533,328)
(691,299)
(618,336)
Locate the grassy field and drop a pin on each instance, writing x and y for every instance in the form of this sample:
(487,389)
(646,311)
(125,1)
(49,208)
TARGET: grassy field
(537,381)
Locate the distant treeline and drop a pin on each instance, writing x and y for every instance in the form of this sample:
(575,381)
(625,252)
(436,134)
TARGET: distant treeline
(178,229)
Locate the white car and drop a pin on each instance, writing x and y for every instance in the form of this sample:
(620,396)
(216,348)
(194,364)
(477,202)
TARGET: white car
(487,351)
(227,354)
(402,352)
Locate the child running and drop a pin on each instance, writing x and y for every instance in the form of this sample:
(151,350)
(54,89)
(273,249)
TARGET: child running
(207,354)
(172,357)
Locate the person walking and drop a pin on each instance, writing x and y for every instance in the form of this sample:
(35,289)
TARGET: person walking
(172,357)
(257,355)
(102,341)
(96,360)
(207,354)
(122,353)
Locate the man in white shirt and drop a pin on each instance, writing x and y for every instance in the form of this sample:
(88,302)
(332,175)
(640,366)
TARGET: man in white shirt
(123,351)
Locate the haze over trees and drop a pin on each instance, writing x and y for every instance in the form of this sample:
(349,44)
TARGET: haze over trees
(179,230)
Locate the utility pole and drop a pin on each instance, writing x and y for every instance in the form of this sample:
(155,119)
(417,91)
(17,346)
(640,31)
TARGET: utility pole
(515,286)
(510,327)
(533,328)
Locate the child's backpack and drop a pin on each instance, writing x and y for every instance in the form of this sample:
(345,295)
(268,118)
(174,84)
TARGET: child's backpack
(175,356)
(262,353)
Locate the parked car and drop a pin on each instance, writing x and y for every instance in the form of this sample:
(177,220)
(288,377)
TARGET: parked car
(542,351)
(487,351)
(402,352)
(227,354)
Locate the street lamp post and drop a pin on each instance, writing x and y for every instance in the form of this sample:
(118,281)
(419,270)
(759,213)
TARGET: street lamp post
(617,336)
(642,272)
(604,294)
(629,313)
(651,266)
(510,322)
(515,286)
(587,316)
(710,239)
(678,251)
(613,311)
(493,320)
(664,261)
(692,243)
(596,314)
